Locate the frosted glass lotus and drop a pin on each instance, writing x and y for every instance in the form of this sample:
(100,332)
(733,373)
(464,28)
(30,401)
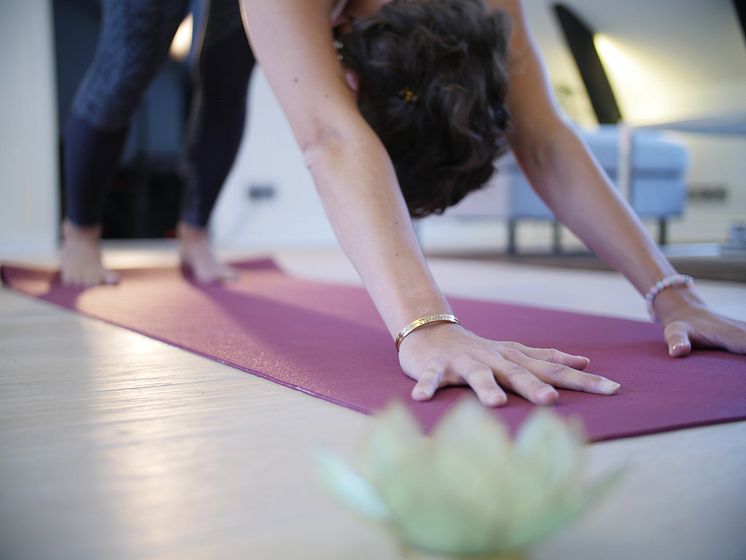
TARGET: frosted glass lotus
(467,489)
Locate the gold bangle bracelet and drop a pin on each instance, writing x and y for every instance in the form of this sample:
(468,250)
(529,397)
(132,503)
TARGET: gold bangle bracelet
(422,321)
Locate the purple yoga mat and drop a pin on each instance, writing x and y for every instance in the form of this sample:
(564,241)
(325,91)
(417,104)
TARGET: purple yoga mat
(328,341)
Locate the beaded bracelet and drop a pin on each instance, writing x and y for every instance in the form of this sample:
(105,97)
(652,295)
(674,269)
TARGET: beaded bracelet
(667,282)
(421,322)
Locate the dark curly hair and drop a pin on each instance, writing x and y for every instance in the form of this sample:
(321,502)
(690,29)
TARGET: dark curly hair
(432,84)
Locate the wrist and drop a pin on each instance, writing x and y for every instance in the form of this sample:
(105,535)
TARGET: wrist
(414,303)
(422,322)
(672,302)
(432,335)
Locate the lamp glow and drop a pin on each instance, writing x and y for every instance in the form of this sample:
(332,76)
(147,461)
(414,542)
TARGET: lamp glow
(641,81)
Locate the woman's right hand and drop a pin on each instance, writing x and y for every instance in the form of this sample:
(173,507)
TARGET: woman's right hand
(441,355)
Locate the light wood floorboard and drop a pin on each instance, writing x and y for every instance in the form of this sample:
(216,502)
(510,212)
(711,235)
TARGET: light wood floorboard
(116,446)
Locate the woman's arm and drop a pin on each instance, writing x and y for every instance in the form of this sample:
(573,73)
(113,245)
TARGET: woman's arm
(292,40)
(355,178)
(565,175)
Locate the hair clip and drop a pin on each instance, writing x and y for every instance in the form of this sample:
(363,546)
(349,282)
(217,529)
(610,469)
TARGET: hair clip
(338,46)
(408,95)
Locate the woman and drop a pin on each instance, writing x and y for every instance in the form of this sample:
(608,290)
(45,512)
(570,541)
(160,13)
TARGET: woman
(389,73)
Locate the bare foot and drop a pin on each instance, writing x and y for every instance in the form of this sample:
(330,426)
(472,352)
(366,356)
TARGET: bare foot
(81,257)
(197,255)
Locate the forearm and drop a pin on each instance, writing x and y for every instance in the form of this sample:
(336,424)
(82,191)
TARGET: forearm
(578,192)
(357,185)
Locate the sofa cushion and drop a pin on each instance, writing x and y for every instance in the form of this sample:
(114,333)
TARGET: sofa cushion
(651,151)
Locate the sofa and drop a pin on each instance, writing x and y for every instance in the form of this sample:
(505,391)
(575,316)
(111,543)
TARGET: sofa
(657,187)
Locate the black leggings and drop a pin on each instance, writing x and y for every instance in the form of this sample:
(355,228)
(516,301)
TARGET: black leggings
(133,43)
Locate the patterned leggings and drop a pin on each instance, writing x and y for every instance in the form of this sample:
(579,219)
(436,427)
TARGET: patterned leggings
(133,43)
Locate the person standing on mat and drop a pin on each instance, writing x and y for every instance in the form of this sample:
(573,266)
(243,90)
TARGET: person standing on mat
(134,42)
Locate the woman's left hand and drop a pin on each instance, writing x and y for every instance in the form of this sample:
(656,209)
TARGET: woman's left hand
(696,324)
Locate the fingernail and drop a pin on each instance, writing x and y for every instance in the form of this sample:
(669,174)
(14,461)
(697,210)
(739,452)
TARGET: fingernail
(678,348)
(546,395)
(495,399)
(609,386)
(425,392)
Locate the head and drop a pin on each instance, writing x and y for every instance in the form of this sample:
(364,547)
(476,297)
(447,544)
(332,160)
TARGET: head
(432,82)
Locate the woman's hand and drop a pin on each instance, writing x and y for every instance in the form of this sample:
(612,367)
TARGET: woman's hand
(440,355)
(698,325)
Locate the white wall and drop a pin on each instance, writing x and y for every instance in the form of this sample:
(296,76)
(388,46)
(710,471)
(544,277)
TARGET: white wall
(693,49)
(28,132)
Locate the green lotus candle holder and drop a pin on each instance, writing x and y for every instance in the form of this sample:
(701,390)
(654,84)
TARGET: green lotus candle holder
(467,490)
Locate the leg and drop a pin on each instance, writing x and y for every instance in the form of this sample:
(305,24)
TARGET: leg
(133,42)
(221,76)
(90,157)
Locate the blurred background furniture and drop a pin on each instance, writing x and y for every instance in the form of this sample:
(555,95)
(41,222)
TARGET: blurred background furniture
(657,188)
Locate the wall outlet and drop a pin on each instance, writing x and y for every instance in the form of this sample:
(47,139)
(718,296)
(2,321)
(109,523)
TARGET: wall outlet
(707,192)
(261,192)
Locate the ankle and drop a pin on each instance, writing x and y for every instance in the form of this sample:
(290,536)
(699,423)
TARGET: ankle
(74,232)
(192,234)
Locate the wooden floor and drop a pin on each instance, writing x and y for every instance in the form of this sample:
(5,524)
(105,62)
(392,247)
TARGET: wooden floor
(113,445)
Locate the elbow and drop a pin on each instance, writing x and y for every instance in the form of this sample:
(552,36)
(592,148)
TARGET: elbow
(318,143)
(332,146)
(329,135)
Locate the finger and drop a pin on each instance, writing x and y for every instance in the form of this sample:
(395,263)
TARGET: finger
(555,356)
(521,381)
(427,384)
(565,377)
(676,334)
(481,378)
